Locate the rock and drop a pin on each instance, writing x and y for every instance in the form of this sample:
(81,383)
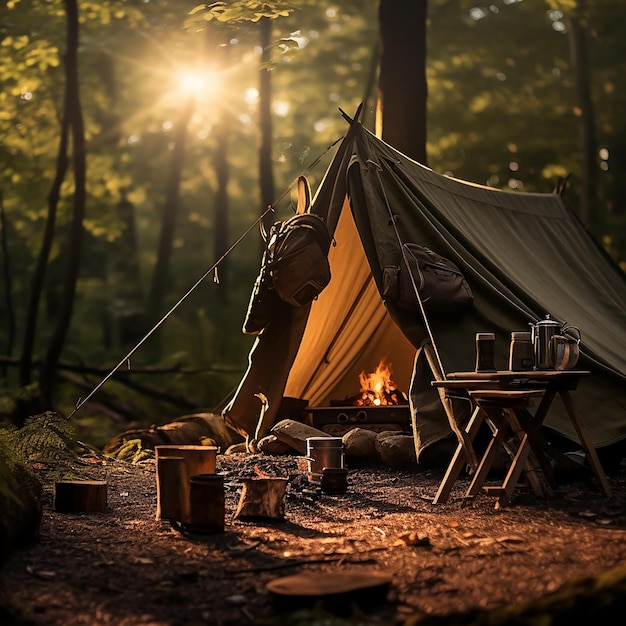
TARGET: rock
(272,445)
(21,508)
(396,450)
(193,429)
(237,448)
(295,434)
(360,446)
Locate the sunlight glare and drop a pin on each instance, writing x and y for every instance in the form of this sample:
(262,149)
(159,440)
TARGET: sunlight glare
(281,108)
(198,83)
(251,95)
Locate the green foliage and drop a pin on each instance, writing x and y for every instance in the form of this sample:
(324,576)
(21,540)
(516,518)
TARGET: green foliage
(20,496)
(43,438)
(132,452)
(242,10)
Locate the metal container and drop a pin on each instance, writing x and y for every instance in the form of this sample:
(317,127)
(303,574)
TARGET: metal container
(206,504)
(542,333)
(485,352)
(521,352)
(334,480)
(323,452)
(564,352)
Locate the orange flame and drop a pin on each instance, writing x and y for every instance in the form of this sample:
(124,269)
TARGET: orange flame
(377,388)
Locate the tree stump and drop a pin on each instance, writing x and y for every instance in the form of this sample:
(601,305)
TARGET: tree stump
(262,498)
(172,489)
(198,459)
(80,496)
(206,504)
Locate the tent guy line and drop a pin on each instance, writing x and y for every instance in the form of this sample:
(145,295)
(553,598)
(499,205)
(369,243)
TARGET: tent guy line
(258,222)
(126,359)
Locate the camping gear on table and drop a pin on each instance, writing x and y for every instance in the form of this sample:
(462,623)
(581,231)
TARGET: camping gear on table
(541,336)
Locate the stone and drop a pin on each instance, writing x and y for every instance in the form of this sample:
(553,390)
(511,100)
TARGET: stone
(272,445)
(396,450)
(295,434)
(360,446)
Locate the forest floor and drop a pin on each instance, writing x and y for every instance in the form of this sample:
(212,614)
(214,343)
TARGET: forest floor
(448,563)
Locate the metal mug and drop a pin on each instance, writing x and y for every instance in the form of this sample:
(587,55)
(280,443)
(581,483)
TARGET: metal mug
(564,352)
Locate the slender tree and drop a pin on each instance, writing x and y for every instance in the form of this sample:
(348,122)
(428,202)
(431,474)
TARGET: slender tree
(578,26)
(402,88)
(266,174)
(75,119)
(160,274)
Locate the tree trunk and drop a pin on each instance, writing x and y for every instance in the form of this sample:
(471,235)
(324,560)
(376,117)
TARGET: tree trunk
(402,89)
(75,118)
(161,269)
(266,176)
(6,275)
(221,203)
(36,287)
(589,208)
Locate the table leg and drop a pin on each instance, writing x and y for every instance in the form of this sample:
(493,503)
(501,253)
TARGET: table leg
(522,424)
(587,445)
(514,473)
(539,455)
(458,459)
(493,447)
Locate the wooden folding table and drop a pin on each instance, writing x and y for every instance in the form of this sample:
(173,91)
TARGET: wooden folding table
(503,397)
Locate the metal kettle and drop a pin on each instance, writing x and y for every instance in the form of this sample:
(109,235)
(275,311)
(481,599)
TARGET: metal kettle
(542,332)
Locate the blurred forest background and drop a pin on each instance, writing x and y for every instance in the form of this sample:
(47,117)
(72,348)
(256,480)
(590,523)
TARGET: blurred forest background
(143,139)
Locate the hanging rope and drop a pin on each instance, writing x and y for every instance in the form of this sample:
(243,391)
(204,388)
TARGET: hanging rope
(393,219)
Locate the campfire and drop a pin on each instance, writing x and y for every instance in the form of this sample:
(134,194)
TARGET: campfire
(378,388)
(379,404)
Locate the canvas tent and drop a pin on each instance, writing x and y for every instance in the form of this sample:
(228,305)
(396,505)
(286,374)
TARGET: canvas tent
(525,255)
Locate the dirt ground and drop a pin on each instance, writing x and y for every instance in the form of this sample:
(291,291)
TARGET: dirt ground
(447,563)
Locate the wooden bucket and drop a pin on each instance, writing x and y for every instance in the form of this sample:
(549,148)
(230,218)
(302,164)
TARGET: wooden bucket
(80,496)
(175,465)
(206,504)
(198,459)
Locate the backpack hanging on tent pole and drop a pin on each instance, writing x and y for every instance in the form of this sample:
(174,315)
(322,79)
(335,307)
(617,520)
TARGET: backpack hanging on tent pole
(294,267)
(420,266)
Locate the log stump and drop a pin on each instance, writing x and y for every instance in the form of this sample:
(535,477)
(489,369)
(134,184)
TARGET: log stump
(262,498)
(206,504)
(172,489)
(198,459)
(80,496)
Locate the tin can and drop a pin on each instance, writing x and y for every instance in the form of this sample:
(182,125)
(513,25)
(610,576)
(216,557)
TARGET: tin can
(334,480)
(323,452)
(521,353)
(485,352)
(206,504)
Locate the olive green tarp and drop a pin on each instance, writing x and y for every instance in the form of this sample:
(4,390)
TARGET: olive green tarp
(525,256)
